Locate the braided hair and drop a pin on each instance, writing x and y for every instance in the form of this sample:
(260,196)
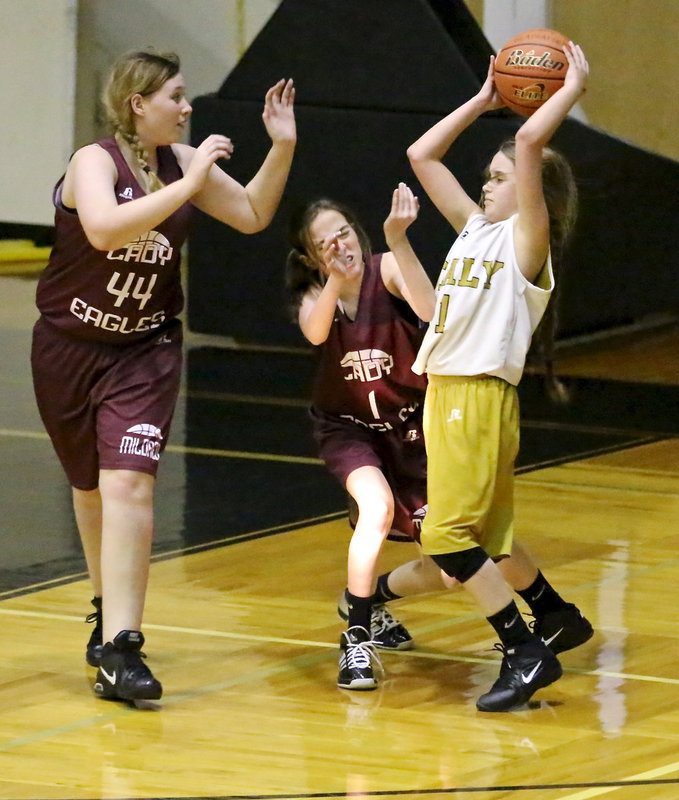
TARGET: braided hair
(137,72)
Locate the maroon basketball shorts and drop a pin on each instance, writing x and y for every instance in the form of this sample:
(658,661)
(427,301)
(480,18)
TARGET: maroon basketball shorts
(106,406)
(345,446)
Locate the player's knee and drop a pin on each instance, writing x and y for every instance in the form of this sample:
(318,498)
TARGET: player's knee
(462,565)
(377,512)
(123,485)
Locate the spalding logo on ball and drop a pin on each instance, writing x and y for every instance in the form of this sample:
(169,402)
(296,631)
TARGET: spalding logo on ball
(530,68)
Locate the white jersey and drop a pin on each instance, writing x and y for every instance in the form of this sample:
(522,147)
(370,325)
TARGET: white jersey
(486,310)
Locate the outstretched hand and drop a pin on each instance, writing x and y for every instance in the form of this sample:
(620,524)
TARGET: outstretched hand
(404,210)
(279,114)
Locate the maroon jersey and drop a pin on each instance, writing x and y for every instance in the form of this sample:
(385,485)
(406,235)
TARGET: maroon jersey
(364,373)
(121,295)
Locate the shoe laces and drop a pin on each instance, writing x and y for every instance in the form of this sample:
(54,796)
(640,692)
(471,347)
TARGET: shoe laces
(382,620)
(360,655)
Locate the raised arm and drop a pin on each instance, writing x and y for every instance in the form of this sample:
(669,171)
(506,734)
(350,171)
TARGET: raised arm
(531,233)
(89,187)
(427,152)
(318,307)
(251,208)
(402,272)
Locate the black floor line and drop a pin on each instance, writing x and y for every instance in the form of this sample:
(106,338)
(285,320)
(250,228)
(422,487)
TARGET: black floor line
(456,790)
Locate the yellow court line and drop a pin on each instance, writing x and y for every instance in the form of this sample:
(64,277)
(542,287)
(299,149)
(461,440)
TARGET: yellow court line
(208,451)
(253,637)
(290,665)
(642,776)
(201,451)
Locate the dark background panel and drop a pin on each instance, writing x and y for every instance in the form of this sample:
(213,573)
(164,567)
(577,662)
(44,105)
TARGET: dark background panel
(361,100)
(409,55)
(357,157)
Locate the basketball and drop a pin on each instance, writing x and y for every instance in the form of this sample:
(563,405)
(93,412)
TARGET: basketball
(530,68)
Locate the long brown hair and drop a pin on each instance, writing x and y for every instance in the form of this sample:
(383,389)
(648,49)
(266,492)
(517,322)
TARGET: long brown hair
(137,72)
(303,267)
(561,198)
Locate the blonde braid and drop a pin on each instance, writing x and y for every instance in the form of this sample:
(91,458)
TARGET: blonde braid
(140,72)
(142,158)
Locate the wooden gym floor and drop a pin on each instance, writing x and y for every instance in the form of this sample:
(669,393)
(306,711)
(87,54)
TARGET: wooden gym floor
(241,624)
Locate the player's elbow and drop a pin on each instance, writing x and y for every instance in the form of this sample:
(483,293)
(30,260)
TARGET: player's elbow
(251,223)
(316,338)
(415,154)
(530,139)
(104,240)
(426,312)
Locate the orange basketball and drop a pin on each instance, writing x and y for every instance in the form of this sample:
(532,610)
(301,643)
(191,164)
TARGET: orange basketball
(530,68)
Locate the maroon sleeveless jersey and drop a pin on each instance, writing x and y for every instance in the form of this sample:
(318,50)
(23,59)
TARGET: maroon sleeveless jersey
(121,295)
(364,372)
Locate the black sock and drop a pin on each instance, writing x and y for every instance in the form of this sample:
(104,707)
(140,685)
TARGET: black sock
(383,593)
(359,610)
(510,626)
(541,597)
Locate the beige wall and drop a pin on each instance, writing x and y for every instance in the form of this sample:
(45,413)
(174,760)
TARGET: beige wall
(209,36)
(37,63)
(631,46)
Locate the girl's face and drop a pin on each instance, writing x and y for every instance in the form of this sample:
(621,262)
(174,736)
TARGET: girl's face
(162,116)
(330,224)
(499,190)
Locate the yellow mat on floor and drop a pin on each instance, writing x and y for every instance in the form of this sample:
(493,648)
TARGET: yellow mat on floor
(22,257)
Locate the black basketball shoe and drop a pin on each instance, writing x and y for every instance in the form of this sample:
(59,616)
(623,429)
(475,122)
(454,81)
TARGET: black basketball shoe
(563,629)
(122,674)
(523,671)
(95,644)
(357,653)
(386,632)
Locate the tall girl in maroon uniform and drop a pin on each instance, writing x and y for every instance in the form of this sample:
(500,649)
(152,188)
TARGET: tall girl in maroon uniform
(107,347)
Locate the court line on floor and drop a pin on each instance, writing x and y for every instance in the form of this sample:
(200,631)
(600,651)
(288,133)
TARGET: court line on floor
(642,779)
(590,487)
(188,450)
(457,657)
(294,663)
(165,555)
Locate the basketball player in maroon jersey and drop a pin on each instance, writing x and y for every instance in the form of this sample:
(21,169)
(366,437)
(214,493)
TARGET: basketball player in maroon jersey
(363,312)
(107,348)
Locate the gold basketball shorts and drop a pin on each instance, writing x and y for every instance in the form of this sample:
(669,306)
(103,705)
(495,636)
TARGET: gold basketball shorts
(471,432)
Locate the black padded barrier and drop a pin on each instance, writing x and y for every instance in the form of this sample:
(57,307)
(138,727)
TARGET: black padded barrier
(371,77)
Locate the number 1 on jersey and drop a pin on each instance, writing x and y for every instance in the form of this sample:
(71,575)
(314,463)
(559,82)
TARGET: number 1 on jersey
(373,404)
(443,311)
